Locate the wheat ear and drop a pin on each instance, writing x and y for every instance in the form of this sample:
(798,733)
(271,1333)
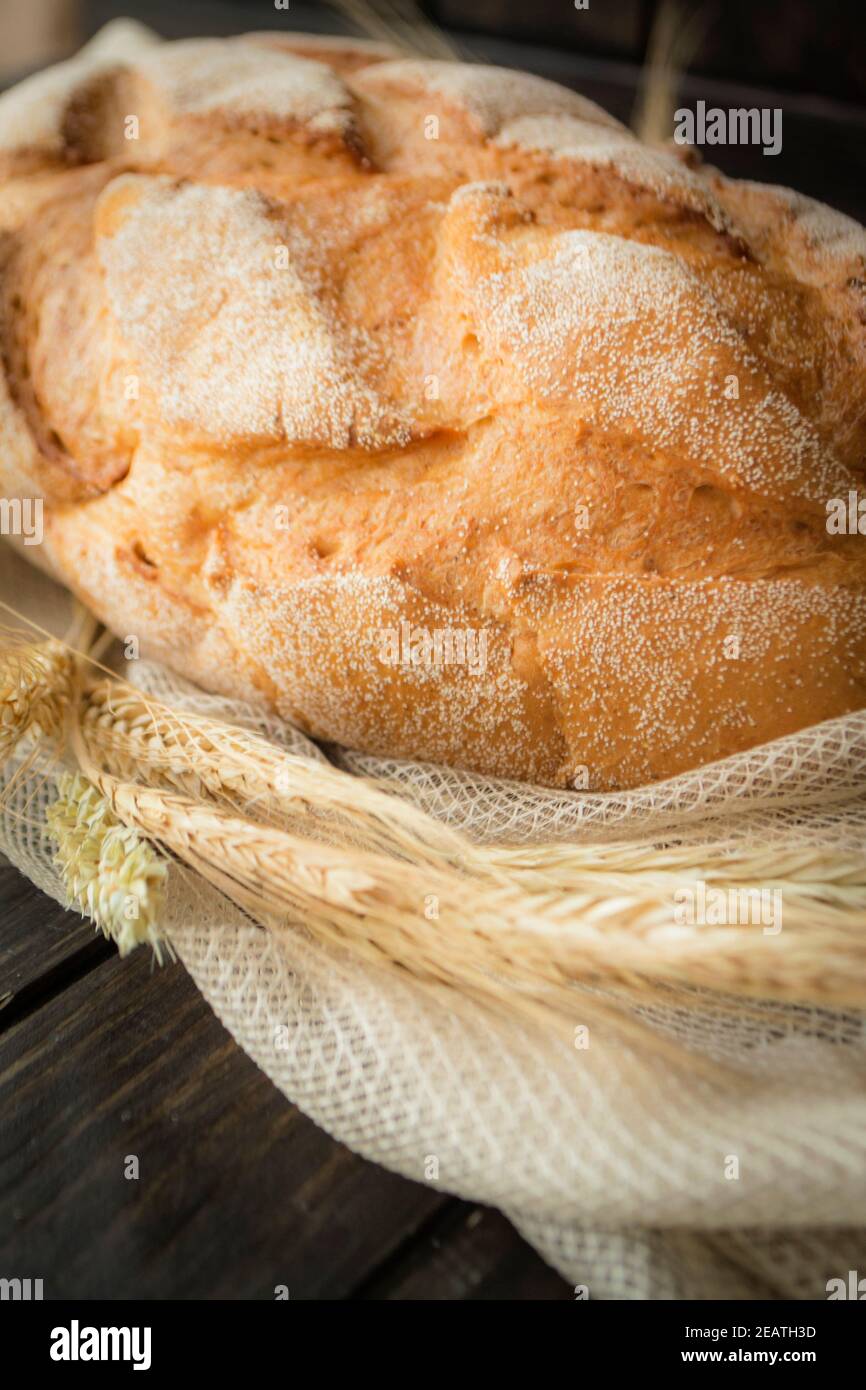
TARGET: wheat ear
(134,734)
(130,733)
(675,39)
(490,936)
(502,930)
(110,874)
(35,684)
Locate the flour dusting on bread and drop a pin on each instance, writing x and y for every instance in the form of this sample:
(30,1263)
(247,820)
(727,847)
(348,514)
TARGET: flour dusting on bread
(633,336)
(490,97)
(570,137)
(342,354)
(32,113)
(247,83)
(231,338)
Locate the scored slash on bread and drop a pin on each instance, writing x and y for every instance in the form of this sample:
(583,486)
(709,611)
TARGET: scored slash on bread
(341,341)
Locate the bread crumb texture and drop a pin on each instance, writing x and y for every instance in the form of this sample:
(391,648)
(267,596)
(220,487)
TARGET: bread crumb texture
(422,402)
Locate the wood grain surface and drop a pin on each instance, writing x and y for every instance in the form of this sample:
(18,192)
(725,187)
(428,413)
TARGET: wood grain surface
(103,1060)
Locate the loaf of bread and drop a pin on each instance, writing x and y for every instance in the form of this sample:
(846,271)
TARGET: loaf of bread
(422,402)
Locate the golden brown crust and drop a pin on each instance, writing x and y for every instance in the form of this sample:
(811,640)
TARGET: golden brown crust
(345,352)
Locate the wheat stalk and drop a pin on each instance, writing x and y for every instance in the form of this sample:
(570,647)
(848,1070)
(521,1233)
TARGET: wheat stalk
(675,39)
(35,683)
(132,733)
(400,23)
(522,928)
(490,935)
(817,876)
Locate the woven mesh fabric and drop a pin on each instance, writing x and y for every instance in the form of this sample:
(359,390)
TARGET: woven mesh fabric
(615,1160)
(821,769)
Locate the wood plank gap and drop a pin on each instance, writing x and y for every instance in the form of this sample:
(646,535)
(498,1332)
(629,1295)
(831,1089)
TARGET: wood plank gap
(21,1004)
(435,1227)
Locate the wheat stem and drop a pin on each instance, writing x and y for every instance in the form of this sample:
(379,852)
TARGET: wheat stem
(492,937)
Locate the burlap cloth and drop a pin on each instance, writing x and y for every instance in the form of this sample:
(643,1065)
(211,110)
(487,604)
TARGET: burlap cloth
(615,1163)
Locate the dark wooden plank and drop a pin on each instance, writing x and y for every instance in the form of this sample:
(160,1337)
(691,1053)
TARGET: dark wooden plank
(467,1252)
(195,18)
(38,939)
(618,29)
(799,45)
(795,45)
(238,1191)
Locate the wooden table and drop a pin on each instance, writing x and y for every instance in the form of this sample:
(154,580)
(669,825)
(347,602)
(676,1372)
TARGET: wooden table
(238,1191)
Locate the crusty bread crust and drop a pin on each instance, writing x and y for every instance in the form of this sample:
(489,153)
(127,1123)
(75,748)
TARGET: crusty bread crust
(345,351)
